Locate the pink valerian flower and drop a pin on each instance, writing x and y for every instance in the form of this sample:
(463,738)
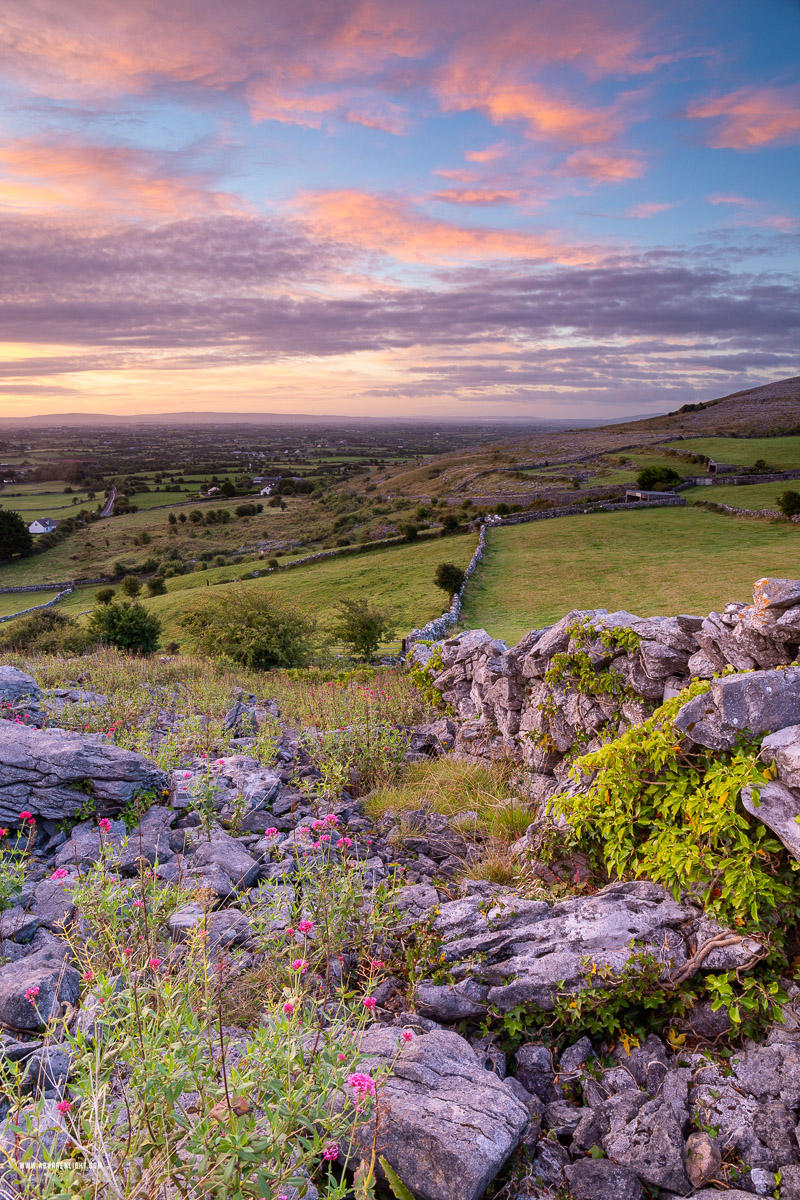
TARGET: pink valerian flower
(27,817)
(362,1084)
(331,819)
(325,837)
(87,976)
(31,995)
(331,1152)
(128,950)
(154,963)
(300,965)
(137,904)
(288,1008)
(271,832)
(305,927)
(369,1002)
(3,833)
(290,931)
(341,1057)
(187,774)
(376,964)
(64,1106)
(60,873)
(342,842)
(104,824)
(407,1035)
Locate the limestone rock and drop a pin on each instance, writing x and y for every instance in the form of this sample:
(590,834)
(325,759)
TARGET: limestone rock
(53,980)
(759,702)
(445,1123)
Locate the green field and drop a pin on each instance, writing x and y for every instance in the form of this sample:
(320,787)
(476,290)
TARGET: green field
(144,500)
(746,495)
(655,561)
(782,453)
(32,504)
(400,576)
(610,472)
(14,602)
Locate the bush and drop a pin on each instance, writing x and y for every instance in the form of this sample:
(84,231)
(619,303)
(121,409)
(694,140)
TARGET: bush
(450,523)
(125,626)
(131,586)
(104,595)
(449,578)
(156,586)
(14,535)
(363,626)
(410,532)
(789,503)
(47,632)
(257,629)
(658,479)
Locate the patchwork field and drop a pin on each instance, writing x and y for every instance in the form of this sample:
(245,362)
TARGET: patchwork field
(747,495)
(649,561)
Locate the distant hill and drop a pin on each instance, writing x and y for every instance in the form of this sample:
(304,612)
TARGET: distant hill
(84,420)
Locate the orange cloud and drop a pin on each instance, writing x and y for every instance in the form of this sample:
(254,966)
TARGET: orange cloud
(490,154)
(751,117)
(391,226)
(603,167)
(461,87)
(39,176)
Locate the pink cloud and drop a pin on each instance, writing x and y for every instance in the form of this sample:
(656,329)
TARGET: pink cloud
(387,225)
(752,213)
(751,117)
(479,197)
(603,166)
(642,211)
(38,175)
(489,155)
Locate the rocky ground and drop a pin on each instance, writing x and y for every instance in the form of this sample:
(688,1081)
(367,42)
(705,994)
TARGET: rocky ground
(524,1114)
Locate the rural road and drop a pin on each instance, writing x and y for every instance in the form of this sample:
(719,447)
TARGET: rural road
(108,507)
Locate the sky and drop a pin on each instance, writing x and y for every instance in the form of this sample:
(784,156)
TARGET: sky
(455,209)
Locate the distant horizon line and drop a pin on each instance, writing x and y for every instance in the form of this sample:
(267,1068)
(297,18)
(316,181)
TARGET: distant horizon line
(254,417)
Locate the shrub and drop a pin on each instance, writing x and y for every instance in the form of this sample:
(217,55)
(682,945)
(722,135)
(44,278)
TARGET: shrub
(363,626)
(449,578)
(126,626)
(658,479)
(789,503)
(14,535)
(104,595)
(409,531)
(47,632)
(257,629)
(450,523)
(156,586)
(131,586)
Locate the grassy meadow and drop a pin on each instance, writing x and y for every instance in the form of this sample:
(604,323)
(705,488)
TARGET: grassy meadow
(746,495)
(782,453)
(649,561)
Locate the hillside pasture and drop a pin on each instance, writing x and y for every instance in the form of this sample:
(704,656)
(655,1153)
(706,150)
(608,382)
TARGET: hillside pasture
(781,453)
(652,561)
(745,495)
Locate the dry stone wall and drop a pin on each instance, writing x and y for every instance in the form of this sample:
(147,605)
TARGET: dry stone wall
(582,681)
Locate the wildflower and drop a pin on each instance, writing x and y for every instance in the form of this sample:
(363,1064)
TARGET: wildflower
(377,963)
(60,873)
(330,1152)
(341,1057)
(407,1035)
(87,976)
(362,1084)
(3,833)
(154,963)
(128,950)
(187,774)
(342,842)
(331,819)
(305,926)
(271,832)
(288,1008)
(369,1002)
(26,816)
(300,965)
(31,995)
(137,904)
(63,1107)
(105,824)
(290,931)
(325,837)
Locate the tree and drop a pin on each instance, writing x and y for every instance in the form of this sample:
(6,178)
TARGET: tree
(450,523)
(15,537)
(257,629)
(657,479)
(173,520)
(104,595)
(125,626)
(789,503)
(227,488)
(449,578)
(410,532)
(363,626)
(156,586)
(131,586)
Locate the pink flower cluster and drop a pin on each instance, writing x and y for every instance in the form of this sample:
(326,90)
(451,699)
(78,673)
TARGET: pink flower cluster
(331,1152)
(363,1085)
(31,995)
(59,873)
(300,965)
(305,927)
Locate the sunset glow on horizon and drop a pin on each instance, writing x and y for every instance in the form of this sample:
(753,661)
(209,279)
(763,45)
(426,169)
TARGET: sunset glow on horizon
(534,209)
